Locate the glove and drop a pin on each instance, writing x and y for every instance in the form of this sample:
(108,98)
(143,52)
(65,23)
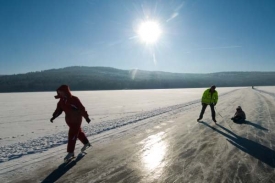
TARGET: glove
(52,119)
(88,120)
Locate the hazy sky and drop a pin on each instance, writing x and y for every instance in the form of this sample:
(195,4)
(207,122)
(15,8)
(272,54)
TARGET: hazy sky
(197,36)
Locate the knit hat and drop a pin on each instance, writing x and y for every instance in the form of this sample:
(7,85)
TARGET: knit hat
(239,108)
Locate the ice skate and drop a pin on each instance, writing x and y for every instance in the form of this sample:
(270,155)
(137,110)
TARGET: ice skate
(214,120)
(86,146)
(69,157)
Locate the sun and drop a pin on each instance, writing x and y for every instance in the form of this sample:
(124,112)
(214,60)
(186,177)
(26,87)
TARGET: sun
(149,32)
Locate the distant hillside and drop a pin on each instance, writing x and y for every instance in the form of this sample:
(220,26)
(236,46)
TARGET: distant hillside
(105,78)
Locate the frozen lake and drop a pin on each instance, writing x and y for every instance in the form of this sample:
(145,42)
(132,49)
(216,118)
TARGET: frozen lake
(142,136)
(26,116)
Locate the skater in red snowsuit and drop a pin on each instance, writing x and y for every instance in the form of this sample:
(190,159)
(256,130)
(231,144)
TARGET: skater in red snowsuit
(74,111)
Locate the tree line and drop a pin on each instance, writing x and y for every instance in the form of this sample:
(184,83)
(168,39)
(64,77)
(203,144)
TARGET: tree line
(106,78)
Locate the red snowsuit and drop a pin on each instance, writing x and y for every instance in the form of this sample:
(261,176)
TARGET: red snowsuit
(74,111)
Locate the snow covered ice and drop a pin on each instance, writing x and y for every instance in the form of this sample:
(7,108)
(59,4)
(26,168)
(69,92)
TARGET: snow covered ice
(141,136)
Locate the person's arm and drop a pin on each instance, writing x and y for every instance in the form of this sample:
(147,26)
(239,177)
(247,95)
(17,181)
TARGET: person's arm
(82,110)
(57,112)
(234,116)
(204,96)
(216,98)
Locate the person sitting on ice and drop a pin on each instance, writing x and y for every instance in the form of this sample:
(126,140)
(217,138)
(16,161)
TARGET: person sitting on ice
(239,115)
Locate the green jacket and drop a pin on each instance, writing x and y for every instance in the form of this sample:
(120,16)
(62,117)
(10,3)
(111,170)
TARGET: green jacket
(208,97)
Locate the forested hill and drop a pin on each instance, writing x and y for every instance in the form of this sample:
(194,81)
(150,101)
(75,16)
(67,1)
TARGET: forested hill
(105,78)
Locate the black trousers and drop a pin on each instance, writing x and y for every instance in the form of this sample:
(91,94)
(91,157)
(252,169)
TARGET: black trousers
(212,110)
(238,119)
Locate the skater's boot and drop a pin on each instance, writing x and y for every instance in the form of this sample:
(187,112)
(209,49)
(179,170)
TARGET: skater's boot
(214,120)
(69,156)
(199,119)
(86,146)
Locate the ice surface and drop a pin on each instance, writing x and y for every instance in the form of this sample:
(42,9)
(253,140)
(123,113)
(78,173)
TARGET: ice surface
(153,137)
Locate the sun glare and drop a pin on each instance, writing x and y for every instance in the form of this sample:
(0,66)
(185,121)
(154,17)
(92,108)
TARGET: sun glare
(149,32)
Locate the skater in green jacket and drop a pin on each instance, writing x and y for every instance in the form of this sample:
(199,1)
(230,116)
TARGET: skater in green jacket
(209,97)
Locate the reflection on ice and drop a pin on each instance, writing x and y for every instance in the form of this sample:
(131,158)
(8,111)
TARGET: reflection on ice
(155,149)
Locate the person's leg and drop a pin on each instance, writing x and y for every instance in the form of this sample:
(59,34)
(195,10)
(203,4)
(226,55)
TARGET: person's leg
(238,119)
(213,112)
(202,111)
(82,137)
(72,137)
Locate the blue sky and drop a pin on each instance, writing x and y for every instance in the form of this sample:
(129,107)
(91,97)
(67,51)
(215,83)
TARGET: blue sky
(198,36)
